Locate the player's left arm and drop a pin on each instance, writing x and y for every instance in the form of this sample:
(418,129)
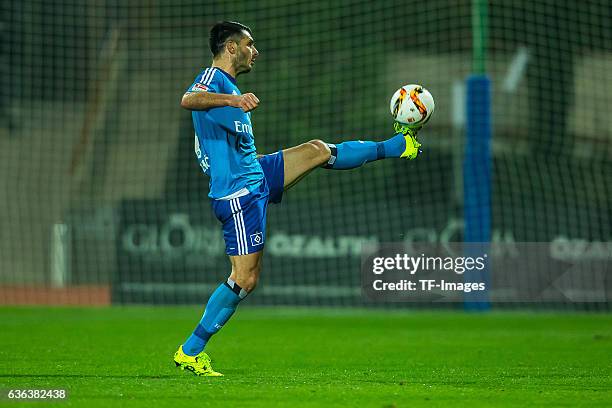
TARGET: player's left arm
(202,100)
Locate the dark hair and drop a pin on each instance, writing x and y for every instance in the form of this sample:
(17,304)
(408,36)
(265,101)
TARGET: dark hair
(221,31)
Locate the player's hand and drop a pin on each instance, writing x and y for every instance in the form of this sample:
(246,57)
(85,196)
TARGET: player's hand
(247,102)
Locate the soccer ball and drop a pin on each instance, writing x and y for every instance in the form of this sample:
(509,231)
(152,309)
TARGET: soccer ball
(412,105)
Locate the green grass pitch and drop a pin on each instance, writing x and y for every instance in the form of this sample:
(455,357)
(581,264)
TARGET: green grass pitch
(122,356)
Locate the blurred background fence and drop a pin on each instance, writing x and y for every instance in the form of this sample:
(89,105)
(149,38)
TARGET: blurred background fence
(103,199)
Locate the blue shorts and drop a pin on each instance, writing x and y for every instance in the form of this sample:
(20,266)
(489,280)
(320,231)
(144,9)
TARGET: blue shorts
(244,218)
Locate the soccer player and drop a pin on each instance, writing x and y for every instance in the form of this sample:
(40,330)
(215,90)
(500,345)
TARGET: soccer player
(243,183)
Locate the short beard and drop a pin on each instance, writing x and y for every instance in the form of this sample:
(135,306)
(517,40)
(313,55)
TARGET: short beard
(245,67)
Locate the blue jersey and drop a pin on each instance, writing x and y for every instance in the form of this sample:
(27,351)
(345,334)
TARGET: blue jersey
(224,142)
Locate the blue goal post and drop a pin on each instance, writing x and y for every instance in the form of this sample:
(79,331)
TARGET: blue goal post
(477,160)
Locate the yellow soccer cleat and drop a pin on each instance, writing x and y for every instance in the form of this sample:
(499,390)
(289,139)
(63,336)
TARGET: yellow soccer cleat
(412,144)
(199,364)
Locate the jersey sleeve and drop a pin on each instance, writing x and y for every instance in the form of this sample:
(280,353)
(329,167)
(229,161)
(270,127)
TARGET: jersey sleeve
(209,80)
(231,119)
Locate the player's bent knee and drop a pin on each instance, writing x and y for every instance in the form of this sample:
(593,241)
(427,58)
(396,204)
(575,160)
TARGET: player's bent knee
(321,151)
(248,283)
(247,279)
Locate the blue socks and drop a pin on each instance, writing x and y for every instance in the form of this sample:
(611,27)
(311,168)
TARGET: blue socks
(352,154)
(395,146)
(220,307)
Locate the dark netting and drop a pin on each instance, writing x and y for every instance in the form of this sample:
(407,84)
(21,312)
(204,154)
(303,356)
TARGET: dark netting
(101,186)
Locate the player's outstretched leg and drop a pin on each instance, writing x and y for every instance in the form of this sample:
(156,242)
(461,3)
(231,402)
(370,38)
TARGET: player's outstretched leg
(352,154)
(301,160)
(220,307)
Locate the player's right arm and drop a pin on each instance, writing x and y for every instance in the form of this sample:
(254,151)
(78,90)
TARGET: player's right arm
(203,100)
